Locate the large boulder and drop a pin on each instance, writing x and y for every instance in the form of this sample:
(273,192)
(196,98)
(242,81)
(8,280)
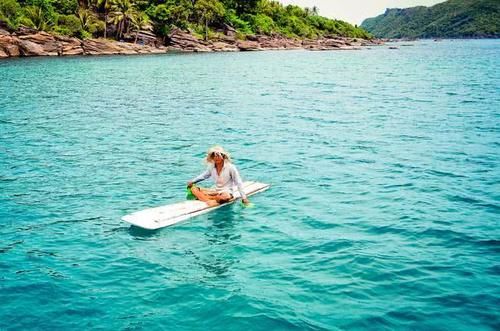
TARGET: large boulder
(185,41)
(219,46)
(99,47)
(70,46)
(9,45)
(29,48)
(229,31)
(46,44)
(247,45)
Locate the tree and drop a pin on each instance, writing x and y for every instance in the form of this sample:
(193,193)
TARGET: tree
(139,22)
(106,5)
(88,20)
(171,13)
(243,6)
(36,18)
(10,10)
(208,11)
(122,12)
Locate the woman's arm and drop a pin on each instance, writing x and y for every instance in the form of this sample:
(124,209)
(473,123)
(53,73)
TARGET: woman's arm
(204,175)
(235,175)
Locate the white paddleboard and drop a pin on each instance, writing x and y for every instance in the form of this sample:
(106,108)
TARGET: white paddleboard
(159,217)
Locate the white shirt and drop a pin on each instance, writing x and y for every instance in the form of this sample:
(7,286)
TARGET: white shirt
(225,182)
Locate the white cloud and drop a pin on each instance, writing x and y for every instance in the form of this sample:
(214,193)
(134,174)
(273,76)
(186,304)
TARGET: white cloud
(355,11)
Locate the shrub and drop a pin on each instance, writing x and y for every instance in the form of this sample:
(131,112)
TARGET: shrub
(236,22)
(263,24)
(10,12)
(68,25)
(65,7)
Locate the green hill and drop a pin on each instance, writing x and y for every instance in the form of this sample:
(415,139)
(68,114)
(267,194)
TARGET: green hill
(450,19)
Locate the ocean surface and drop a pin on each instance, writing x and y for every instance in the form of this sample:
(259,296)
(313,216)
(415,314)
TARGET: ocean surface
(384,210)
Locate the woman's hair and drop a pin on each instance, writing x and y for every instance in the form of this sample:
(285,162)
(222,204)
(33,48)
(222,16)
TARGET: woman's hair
(217,150)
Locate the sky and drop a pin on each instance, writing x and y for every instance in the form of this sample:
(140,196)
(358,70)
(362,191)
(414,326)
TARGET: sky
(355,11)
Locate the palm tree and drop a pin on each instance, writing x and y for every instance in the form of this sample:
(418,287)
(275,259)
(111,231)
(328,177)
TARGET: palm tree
(36,18)
(87,20)
(139,22)
(106,4)
(121,13)
(208,11)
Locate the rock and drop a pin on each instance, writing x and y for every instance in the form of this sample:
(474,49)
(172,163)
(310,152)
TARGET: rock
(229,31)
(22,30)
(99,47)
(252,37)
(12,50)
(47,42)
(272,43)
(224,47)
(29,42)
(29,48)
(245,45)
(184,41)
(70,46)
(9,45)
(335,43)
(227,39)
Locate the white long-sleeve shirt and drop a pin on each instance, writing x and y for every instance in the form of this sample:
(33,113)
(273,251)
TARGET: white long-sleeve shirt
(225,182)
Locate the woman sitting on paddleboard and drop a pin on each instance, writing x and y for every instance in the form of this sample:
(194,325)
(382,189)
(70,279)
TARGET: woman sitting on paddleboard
(225,176)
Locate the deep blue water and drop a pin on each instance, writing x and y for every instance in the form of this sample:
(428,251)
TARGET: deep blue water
(383,212)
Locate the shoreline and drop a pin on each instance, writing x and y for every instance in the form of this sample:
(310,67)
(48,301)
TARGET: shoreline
(26,42)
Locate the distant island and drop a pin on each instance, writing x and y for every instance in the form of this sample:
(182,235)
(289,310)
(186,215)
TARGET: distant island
(450,19)
(90,27)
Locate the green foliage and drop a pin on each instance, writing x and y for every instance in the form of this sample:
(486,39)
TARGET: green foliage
(208,11)
(242,6)
(10,12)
(267,17)
(89,22)
(235,21)
(65,7)
(168,14)
(450,19)
(68,25)
(263,24)
(36,18)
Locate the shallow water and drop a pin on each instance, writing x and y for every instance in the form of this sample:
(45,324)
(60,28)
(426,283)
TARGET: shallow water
(383,212)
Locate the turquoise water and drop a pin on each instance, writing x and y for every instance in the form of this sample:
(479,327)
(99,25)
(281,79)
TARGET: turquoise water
(383,212)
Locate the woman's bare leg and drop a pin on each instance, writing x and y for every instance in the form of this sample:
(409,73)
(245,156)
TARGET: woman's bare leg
(202,196)
(223,197)
(210,199)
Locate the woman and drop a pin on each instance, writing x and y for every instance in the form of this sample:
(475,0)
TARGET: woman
(225,176)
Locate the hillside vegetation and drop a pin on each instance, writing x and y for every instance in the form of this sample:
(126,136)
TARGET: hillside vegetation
(116,18)
(450,19)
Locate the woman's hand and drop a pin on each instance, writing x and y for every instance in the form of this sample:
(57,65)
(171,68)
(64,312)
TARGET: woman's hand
(189,184)
(245,201)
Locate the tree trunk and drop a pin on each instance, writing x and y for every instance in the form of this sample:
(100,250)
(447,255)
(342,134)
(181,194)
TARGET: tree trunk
(105,24)
(136,34)
(206,29)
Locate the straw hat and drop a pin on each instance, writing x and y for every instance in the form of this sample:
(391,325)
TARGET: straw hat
(217,150)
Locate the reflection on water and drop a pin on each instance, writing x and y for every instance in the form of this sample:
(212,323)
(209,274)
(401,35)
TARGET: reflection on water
(221,235)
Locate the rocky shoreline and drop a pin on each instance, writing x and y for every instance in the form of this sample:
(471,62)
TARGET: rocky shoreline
(25,42)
